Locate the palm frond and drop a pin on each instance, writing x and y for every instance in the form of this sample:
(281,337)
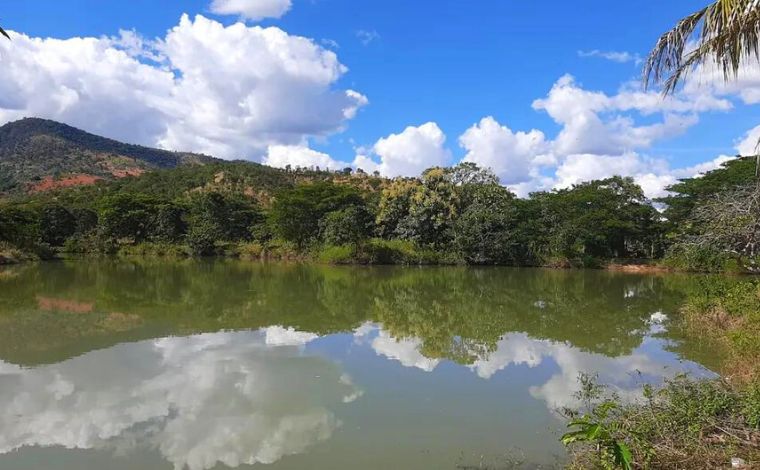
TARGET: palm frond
(726,32)
(2,31)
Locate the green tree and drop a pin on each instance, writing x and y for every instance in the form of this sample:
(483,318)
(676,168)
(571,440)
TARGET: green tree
(296,213)
(86,220)
(432,210)
(603,218)
(394,204)
(126,216)
(690,193)
(484,233)
(350,225)
(56,225)
(168,223)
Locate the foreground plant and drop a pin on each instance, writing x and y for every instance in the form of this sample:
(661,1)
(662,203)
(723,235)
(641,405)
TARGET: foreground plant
(687,423)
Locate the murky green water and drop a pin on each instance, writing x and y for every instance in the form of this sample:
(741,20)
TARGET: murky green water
(220,364)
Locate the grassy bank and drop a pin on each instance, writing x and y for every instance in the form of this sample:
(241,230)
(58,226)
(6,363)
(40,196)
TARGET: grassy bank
(686,423)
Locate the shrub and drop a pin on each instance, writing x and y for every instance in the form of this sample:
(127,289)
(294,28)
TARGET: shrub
(378,251)
(252,250)
(340,254)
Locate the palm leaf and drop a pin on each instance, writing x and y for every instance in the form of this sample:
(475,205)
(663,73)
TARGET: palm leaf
(2,31)
(725,32)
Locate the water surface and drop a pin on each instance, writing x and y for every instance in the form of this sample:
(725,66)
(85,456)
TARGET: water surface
(218,364)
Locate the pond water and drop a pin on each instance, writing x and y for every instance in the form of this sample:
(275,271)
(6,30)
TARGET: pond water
(218,364)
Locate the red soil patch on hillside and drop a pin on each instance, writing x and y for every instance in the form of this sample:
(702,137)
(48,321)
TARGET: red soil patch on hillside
(48,183)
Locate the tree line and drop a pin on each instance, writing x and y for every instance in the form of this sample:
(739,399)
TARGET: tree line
(456,215)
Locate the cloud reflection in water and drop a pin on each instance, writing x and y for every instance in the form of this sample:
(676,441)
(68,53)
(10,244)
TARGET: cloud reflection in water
(230,398)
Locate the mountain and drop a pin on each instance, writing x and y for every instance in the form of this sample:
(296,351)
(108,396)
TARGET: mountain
(39,154)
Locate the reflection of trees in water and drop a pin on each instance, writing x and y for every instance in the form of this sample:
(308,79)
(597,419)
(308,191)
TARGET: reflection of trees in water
(462,314)
(456,313)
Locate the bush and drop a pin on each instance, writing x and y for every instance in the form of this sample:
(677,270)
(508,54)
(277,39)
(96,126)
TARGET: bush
(684,424)
(695,259)
(343,254)
(252,250)
(378,251)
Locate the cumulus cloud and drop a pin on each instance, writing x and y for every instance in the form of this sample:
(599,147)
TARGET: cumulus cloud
(228,91)
(511,155)
(592,121)
(251,9)
(748,144)
(600,136)
(408,153)
(200,401)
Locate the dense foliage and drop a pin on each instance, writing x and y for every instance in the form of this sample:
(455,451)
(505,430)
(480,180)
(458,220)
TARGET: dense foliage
(447,215)
(458,215)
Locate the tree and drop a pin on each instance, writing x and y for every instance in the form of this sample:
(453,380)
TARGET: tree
(602,218)
(727,223)
(483,234)
(296,213)
(394,205)
(126,216)
(432,209)
(350,225)
(690,193)
(725,33)
(56,225)
(168,223)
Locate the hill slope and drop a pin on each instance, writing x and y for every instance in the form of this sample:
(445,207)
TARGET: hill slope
(39,154)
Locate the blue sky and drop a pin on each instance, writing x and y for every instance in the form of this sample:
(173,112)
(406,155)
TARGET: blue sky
(448,62)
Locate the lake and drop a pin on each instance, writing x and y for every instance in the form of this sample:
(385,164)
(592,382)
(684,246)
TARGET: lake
(217,364)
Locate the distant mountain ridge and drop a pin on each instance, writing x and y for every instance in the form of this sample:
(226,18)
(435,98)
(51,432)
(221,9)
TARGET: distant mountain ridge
(40,154)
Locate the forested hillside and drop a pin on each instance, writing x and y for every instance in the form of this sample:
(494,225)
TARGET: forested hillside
(39,155)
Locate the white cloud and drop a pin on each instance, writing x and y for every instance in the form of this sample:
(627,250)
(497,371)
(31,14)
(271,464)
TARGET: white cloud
(227,91)
(600,136)
(408,153)
(708,79)
(199,401)
(251,9)
(592,121)
(748,145)
(653,175)
(511,155)
(300,156)
(614,56)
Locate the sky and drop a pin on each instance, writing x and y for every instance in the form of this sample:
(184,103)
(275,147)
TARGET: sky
(545,93)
